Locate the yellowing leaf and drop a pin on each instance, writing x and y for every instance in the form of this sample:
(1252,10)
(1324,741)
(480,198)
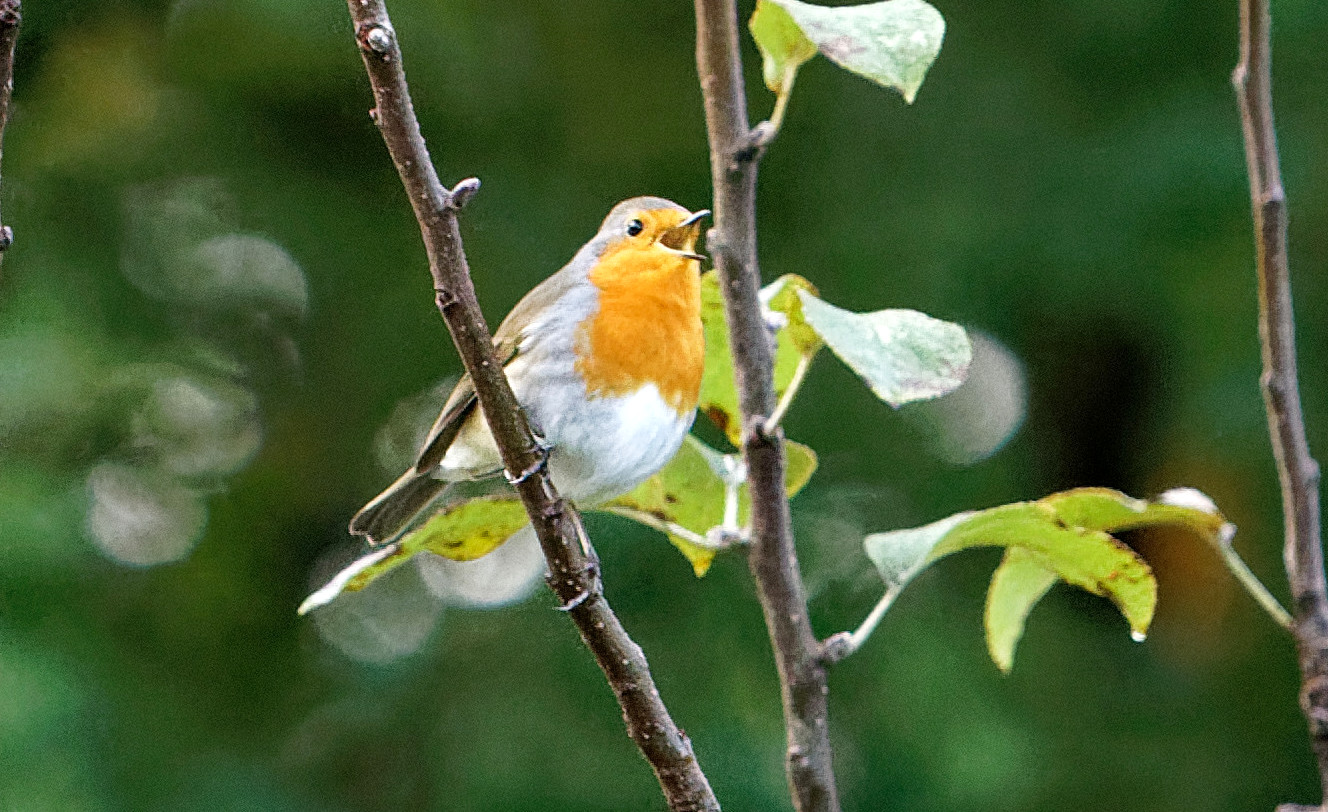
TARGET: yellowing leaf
(781,296)
(1065,536)
(782,44)
(691,493)
(469,530)
(795,343)
(461,532)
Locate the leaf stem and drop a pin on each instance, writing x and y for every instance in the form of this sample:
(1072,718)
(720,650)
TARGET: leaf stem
(845,644)
(790,392)
(573,567)
(1255,587)
(776,120)
(662,525)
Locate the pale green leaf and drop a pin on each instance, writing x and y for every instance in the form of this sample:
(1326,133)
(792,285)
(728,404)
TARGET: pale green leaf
(1017,585)
(782,44)
(903,355)
(891,43)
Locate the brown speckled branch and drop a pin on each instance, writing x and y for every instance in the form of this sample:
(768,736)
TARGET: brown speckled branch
(10,17)
(734,152)
(1297,470)
(573,567)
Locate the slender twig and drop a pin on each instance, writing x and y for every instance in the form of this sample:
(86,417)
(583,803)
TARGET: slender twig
(734,151)
(10,17)
(1297,470)
(573,567)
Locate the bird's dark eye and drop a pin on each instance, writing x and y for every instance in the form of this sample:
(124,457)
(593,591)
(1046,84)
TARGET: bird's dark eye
(635,227)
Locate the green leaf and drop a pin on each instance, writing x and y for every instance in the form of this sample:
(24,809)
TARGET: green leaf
(782,44)
(891,43)
(1017,585)
(903,355)
(692,493)
(461,532)
(795,343)
(1065,536)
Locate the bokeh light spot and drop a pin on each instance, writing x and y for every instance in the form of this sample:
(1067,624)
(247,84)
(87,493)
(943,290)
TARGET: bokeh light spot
(142,517)
(507,575)
(387,620)
(979,418)
(199,428)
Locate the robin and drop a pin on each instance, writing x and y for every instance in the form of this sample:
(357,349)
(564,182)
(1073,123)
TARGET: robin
(605,357)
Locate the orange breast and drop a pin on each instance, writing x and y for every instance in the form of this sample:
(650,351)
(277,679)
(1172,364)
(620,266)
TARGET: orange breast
(647,328)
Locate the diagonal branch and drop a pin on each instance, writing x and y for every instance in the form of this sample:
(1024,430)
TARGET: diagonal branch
(734,152)
(10,17)
(573,566)
(1297,470)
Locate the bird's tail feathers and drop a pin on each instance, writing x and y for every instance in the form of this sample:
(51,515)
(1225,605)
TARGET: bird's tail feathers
(391,511)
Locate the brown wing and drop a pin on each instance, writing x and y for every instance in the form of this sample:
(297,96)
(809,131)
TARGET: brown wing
(507,345)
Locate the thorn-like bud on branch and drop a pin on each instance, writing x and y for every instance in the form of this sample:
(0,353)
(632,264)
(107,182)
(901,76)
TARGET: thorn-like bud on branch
(462,193)
(377,38)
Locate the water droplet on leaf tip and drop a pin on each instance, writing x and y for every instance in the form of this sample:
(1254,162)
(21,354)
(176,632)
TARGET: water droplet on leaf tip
(1138,636)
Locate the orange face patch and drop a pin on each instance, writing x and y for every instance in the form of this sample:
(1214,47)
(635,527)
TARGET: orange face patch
(648,325)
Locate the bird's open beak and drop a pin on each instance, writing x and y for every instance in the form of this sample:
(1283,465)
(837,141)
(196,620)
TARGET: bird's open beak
(681,239)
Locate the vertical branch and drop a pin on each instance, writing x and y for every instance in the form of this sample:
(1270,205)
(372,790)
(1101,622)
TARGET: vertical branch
(734,152)
(10,17)
(573,567)
(1297,470)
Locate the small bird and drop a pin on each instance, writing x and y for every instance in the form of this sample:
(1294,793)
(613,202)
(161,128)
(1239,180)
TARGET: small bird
(605,357)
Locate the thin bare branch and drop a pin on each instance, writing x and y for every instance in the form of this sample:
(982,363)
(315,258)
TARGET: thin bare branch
(1297,470)
(10,17)
(734,152)
(573,567)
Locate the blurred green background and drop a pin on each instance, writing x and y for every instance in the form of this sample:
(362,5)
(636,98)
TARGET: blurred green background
(216,321)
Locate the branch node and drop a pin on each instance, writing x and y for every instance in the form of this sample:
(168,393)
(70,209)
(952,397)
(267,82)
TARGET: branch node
(835,648)
(536,467)
(760,430)
(376,39)
(750,148)
(444,297)
(761,135)
(581,597)
(462,193)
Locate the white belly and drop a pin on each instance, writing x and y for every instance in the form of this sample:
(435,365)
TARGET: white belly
(600,448)
(613,445)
